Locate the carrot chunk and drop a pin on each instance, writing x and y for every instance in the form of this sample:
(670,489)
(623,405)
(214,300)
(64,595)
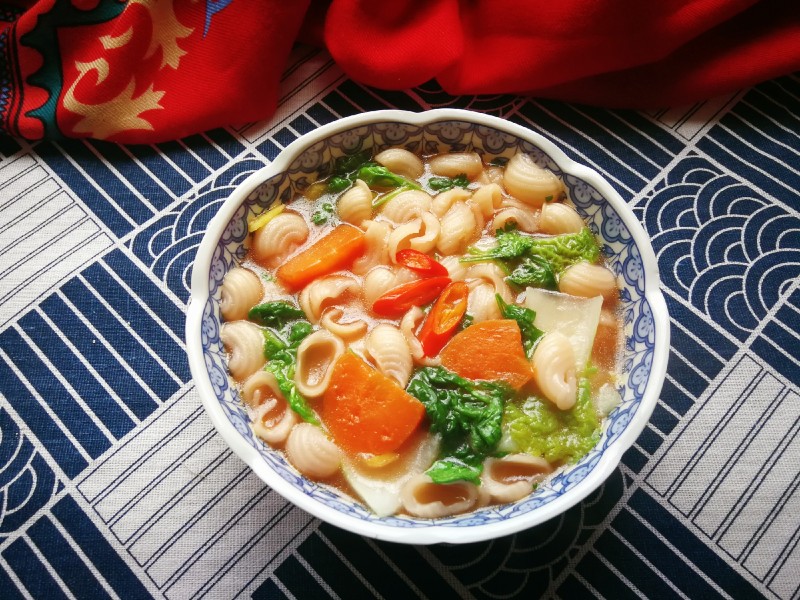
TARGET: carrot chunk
(365,411)
(334,252)
(491,351)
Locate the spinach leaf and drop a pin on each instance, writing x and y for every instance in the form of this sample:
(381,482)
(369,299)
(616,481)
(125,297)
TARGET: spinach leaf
(281,353)
(378,176)
(349,163)
(442,184)
(274,314)
(524,318)
(535,271)
(467,414)
(338,184)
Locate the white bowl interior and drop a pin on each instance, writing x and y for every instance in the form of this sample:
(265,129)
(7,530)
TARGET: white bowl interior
(627,251)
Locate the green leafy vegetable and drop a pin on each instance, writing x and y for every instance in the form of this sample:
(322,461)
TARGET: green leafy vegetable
(563,251)
(377,176)
(510,244)
(534,271)
(467,321)
(275,314)
(500,161)
(541,429)
(442,184)
(338,184)
(524,318)
(467,414)
(281,353)
(349,163)
(345,169)
(322,214)
(536,261)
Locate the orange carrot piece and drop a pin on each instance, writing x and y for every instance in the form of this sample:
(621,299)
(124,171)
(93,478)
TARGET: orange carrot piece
(333,252)
(367,412)
(491,351)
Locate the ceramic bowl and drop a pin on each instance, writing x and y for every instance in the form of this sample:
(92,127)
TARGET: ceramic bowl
(628,251)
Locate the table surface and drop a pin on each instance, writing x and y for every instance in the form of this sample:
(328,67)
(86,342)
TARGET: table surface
(113,482)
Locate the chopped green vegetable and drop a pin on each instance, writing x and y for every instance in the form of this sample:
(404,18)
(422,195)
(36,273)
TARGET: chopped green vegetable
(526,255)
(541,429)
(275,314)
(377,176)
(510,244)
(338,184)
(500,161)
(467,321)
(281,353)
(322,214)
(467,414)
(534,271)
(442,184)
(524,318)
(563,251)
(349,163)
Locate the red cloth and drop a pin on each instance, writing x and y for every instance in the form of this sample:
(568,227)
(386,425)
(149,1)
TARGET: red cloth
(151,70)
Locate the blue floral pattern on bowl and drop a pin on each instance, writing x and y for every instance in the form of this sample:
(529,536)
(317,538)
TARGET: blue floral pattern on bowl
(622,253)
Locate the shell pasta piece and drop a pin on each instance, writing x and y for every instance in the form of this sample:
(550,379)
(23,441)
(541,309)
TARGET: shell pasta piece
(482,304)
(347,330)
(376,248)
(322,293)
(488,198)
(444,201)
(402,162)
(554,370)
(311,452)
(459,228)
(511,477)
(274,418)
(316,356)
(406,206)
(423,498)
(586,280)
(245,342)
(527,181)
(387,346)
(559,218)
(274,242)
(355,205)
(457,163)
(241,290)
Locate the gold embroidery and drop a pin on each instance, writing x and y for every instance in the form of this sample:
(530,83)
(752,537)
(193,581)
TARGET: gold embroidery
(110,42)
(167,30)
(104,119)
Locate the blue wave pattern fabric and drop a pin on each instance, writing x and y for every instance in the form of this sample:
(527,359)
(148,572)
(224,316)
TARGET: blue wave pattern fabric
(114,484)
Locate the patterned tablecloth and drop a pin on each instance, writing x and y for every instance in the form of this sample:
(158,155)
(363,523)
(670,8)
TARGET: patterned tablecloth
(113,482)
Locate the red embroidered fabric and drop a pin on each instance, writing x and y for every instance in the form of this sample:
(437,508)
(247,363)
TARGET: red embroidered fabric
(152,70)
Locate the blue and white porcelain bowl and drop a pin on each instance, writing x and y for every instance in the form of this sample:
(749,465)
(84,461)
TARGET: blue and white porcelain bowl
(629,254)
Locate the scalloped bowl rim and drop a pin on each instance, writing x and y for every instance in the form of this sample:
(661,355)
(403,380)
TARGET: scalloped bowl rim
(612,454)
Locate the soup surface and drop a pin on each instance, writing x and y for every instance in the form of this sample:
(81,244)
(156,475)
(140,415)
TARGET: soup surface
(430,334)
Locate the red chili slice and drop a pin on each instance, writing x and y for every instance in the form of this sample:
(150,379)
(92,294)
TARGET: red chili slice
(421,263)
(397,301)
(444,318)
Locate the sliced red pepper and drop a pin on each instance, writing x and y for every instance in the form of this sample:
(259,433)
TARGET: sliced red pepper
(421,263)
(397,301)
(444,318)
